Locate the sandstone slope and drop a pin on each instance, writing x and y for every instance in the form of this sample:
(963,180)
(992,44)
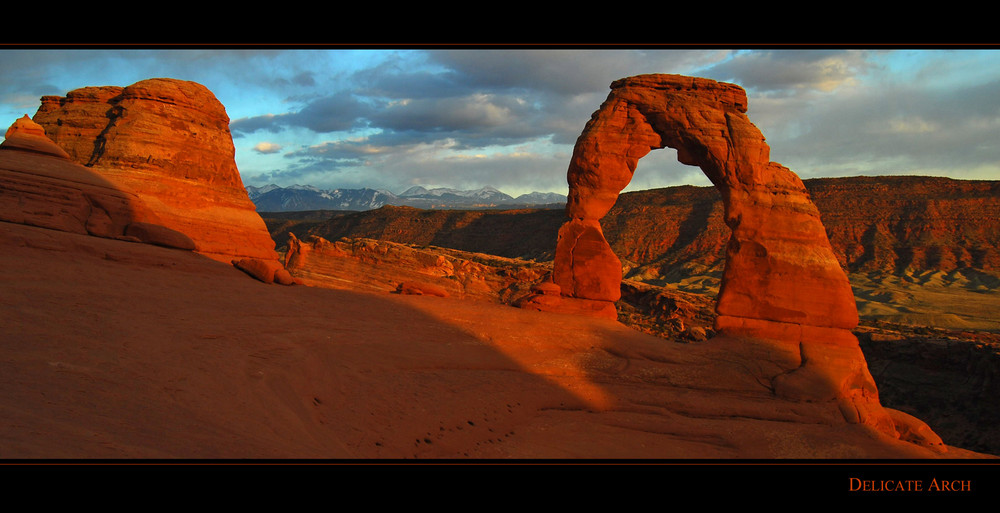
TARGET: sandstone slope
(118,350)
(41,186)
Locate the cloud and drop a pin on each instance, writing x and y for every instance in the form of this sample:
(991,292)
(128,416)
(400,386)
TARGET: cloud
(473,112)
(566,72)
(340,111)
(477,98)
(899,128)
(394,117)
(264,147)
(456,116)
(339,153)
(789,71)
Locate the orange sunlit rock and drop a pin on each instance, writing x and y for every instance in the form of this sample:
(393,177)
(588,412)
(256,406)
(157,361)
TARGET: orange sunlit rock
(386,266)
(782,281)
(168,141)
(41,186)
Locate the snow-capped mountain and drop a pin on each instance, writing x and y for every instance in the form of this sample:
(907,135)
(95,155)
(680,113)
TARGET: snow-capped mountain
(486,194)
(273,198)
(256,192)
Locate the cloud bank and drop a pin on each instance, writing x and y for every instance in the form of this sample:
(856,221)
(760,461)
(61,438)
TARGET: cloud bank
(392,118)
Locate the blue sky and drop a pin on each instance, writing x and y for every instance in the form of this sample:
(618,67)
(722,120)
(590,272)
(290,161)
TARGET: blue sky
(391,118)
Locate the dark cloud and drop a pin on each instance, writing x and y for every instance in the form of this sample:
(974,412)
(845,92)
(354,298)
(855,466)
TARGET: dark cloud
(390,80)
(336,153)
(788,71)
(267,122)
(407,116)
(477,98)
(568,72)
(422,116)
(305,79)
(341,111)
(476,120)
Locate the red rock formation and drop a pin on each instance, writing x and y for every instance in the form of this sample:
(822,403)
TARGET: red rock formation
(267,271)
(168,141)
(419,288)
(779,264)
(479,231)
(40,186)
(782,282)
(386,266)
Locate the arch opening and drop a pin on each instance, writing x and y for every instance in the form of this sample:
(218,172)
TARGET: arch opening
(662,168)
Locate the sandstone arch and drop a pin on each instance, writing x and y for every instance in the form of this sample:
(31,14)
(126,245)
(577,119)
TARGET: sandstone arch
(782,283)
(780,267)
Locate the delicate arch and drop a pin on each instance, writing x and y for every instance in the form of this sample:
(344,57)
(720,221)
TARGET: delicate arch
(780,268)
(782,285)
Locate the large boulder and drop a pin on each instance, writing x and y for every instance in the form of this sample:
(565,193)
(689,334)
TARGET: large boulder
(167,141)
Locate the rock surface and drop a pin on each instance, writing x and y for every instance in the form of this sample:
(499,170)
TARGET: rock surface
(782,282)
(41,186)
(183,357)
(378,265)
(167,141)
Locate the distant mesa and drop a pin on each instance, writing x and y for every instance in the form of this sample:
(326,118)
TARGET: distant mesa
(782,283)
(167,141)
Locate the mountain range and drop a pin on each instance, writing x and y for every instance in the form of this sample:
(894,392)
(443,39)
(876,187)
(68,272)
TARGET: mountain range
(274,198)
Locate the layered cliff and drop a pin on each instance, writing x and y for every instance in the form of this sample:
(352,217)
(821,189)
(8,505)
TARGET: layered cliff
(167,141)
